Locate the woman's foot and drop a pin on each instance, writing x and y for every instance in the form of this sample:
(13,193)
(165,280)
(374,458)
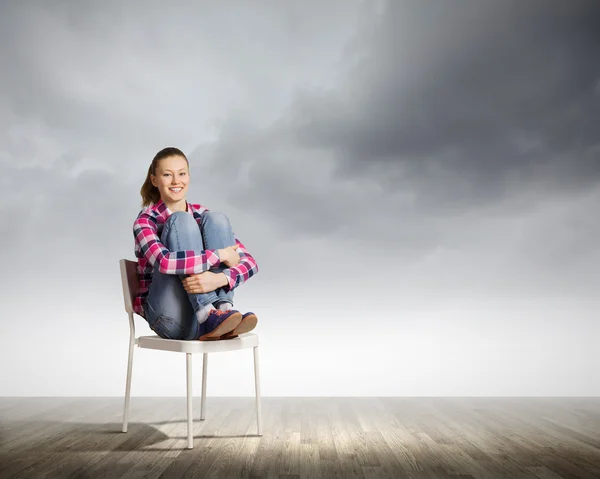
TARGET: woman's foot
(248,323)
(219,323)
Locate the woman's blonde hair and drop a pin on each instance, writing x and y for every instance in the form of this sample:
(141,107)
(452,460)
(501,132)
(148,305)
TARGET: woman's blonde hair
(149,192)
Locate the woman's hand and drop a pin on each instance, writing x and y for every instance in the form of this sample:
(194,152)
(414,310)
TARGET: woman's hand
(204,282)
(229,256)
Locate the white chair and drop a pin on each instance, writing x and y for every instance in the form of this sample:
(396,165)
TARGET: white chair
(130,282)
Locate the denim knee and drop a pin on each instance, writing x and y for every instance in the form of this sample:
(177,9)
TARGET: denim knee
(181,232)
(183,219)
(216,219)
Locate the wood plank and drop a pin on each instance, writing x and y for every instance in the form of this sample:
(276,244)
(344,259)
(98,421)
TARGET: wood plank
(29,453)
(303,437)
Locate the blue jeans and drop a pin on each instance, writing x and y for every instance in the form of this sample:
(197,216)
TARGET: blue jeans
(170,310)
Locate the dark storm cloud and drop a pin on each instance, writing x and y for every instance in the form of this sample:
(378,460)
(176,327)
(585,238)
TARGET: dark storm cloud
(466,96)
(443,111)
(434,105)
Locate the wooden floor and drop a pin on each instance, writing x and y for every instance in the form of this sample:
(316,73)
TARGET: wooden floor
(302,437)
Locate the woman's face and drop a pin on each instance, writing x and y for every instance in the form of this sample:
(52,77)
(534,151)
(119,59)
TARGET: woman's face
(172,178)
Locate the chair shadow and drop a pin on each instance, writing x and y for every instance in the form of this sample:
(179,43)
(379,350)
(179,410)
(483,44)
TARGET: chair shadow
(57,437)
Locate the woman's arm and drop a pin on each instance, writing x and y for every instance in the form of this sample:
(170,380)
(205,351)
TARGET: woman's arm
(170,262)
(244,270)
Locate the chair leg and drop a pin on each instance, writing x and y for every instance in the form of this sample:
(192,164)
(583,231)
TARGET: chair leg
(257,389)
(190,444)
(128,383)
(203,398)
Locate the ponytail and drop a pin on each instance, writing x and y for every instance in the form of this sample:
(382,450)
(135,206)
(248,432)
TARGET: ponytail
(149,192)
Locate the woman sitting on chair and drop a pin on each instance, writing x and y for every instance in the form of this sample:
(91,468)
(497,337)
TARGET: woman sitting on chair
(189,259)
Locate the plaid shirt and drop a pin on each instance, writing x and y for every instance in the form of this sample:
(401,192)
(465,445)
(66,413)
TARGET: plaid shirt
(147,230)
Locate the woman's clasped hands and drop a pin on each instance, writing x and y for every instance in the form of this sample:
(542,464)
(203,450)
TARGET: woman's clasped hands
(208,281)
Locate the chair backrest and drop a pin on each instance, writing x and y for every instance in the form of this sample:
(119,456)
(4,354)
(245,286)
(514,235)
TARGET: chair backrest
(130,282)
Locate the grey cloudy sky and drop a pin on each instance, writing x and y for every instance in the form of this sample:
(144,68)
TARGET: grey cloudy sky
(392,154)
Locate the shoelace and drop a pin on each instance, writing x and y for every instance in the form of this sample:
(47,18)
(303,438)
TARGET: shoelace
(218,312)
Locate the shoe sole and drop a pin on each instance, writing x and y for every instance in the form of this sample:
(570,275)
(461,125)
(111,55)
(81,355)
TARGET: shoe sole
(247,324)
(225,327)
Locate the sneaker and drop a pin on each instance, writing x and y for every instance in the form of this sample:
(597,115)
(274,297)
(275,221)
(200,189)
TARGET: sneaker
(248,323)
(219,323)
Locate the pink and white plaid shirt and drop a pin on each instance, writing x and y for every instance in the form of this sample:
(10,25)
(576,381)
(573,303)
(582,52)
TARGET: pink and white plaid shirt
(149,250)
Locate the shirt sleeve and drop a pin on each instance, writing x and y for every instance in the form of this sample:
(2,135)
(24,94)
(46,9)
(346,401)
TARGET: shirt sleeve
(170,262)
(244,270)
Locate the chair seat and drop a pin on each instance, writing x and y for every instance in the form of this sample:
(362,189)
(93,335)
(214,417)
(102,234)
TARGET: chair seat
(245,340)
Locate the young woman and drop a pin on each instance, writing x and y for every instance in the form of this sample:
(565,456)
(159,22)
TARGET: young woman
(189,259)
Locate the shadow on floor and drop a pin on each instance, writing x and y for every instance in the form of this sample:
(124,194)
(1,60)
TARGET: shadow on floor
(52,437)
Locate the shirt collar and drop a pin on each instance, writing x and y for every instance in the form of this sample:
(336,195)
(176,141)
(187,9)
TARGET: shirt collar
(162,209)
